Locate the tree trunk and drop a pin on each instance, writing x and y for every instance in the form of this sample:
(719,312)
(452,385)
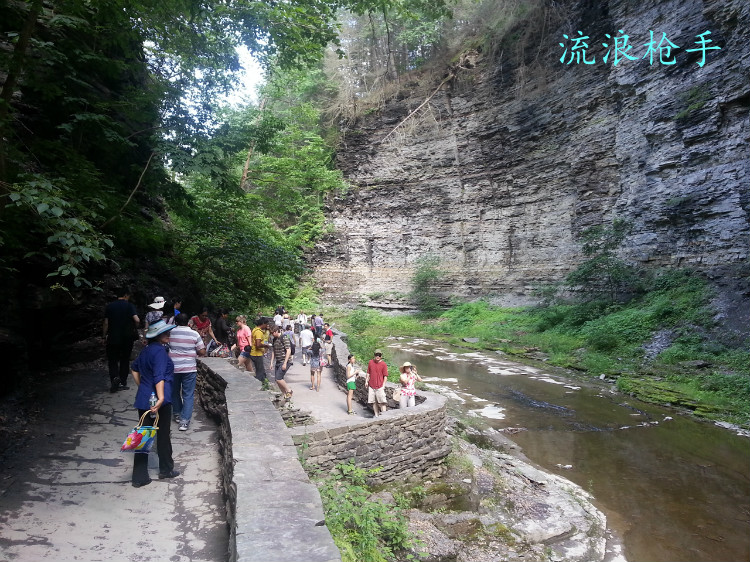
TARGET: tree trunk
(250,151)
(15,69)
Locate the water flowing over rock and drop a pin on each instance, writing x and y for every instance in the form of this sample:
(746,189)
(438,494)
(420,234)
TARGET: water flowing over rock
(510,160)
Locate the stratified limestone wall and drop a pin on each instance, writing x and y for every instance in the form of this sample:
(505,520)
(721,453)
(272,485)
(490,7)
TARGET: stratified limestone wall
(508,163)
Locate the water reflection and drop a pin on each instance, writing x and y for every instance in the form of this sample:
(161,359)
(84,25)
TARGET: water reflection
(674,489)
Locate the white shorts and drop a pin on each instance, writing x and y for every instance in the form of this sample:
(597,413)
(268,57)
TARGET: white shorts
(376,395)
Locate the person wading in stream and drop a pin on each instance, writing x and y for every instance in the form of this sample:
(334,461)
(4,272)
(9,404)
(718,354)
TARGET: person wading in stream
(377,373)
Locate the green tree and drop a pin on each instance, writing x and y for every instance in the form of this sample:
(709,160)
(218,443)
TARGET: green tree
(237,255)
(603,272)
(96,98)
(424,284)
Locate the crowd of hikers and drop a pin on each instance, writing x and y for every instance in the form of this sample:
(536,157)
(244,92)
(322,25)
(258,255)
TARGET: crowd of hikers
(165,371)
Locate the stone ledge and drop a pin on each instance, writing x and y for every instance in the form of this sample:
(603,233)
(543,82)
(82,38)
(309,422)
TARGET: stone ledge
(273,510)
(422,442)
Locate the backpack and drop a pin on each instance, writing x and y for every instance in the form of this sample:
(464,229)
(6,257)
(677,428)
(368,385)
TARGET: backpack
(315,347)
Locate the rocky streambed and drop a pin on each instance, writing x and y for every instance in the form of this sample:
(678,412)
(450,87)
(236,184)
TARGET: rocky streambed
(493,504)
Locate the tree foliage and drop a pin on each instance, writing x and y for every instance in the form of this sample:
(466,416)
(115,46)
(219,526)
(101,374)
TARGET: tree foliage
(104,104)
(262,179)
(240,259)
(424,280)
(603,272)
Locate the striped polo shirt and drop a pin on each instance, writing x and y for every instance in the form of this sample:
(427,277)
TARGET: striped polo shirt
(184,344)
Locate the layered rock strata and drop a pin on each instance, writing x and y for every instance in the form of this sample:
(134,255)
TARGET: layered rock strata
(503,168)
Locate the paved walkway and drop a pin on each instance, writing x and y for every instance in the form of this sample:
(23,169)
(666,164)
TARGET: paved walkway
(326,405)
(66,494)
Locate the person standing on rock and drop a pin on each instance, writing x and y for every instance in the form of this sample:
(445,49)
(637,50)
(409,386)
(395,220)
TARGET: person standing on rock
(153,371)
(185,344)
(120,330)
(306,338)
(377,373)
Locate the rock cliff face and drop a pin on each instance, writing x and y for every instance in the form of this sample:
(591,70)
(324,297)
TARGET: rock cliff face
(511,159)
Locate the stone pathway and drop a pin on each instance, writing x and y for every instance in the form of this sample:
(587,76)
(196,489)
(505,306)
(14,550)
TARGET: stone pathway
(329,404)
(66,493)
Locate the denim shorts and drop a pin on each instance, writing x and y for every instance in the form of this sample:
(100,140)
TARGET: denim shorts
(244,354)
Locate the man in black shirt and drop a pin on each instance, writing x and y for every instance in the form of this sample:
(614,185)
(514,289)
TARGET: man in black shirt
(119,332)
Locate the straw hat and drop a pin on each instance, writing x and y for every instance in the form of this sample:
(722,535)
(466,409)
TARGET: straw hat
(405,366)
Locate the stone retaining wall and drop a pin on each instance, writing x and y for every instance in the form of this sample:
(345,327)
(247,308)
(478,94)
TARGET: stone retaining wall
(409,443)
(274,512)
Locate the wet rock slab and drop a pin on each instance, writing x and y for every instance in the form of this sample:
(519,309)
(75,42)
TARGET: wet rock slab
(520,513)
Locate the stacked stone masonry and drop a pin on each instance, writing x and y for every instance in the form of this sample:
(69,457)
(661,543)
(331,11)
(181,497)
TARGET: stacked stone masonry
(274,512)
(270,500)
(404,443)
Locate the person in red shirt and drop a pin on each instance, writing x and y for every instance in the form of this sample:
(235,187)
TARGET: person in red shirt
(377,373)
(328,342)
(202,324)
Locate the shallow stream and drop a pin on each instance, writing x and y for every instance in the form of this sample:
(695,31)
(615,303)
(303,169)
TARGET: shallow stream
(673,489)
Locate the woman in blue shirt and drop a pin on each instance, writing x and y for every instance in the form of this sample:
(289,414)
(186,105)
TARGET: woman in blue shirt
(153,371)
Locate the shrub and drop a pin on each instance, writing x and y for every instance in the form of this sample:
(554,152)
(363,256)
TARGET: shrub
(360,320)
(364,530)
(466,314)
(424,280)
(306,299)
(603,274)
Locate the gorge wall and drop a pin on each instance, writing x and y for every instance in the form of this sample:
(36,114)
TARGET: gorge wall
(501,170)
